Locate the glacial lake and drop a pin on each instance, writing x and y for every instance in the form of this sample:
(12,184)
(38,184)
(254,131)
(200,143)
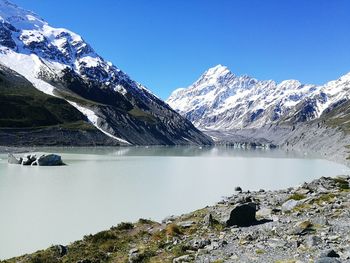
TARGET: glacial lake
(101,187)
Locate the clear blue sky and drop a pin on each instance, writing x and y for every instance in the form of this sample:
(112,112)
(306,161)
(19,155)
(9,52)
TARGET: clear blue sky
(166,44)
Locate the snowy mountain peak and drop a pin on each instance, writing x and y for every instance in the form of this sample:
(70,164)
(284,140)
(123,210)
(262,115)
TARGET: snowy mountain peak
(290,84)
(217,71)
(221,100)
(215,74)
(24,32)
(19,17)
(59,62)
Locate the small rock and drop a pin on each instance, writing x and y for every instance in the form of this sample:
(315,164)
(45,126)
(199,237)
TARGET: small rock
(183,259)
(329,254)
(186,224)
(302,228)
(303,191)
(169,219)
(200,243)
(244,199)
(134,255)
(208,220)
(238,189)
(264,213)
(84,261)
(312,241)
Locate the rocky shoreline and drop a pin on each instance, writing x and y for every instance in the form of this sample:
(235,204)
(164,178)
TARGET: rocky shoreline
(328,142)
(307,223)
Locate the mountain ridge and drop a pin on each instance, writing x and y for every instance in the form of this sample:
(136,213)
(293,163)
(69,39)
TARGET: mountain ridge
(221,100)
(59,62)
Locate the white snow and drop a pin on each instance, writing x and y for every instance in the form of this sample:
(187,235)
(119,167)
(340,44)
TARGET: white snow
(42,48)
(28,66)
(90,62)
(93,118)
(221,100)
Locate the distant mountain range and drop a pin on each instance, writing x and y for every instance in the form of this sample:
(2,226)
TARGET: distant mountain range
(60,63)
(220,100)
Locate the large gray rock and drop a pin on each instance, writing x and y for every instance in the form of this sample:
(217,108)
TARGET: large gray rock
(49,160)
(242,215)
(13,160)
(289,205)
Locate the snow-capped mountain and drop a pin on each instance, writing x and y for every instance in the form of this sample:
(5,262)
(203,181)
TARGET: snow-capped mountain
(221,100)
(60,63)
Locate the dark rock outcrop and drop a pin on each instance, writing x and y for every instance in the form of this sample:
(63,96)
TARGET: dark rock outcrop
(242,215)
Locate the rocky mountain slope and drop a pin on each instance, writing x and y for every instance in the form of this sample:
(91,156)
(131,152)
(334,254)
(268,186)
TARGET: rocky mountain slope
(307,223)
(30,117)
(220,100)
(60,63)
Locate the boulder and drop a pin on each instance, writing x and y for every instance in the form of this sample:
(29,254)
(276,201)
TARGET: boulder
(289,205)
(242,215)
(13,160)
(62,250)
(49,160)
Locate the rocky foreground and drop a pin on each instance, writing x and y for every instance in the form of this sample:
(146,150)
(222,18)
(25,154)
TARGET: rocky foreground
(309,223)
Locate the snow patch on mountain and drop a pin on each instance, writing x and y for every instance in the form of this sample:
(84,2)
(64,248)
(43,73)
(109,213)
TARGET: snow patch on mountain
(93,118)
(29,67)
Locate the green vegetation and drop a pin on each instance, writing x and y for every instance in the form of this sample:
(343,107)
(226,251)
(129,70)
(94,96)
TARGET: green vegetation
(173,230)
(144,116)
(106,246)
(154,243)
(302,207)
(126,226)
(339,117)
(23,106)
(342,183)
(324,198)
(297,197)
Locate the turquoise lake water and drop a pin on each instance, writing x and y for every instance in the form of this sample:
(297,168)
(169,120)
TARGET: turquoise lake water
(101,187)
